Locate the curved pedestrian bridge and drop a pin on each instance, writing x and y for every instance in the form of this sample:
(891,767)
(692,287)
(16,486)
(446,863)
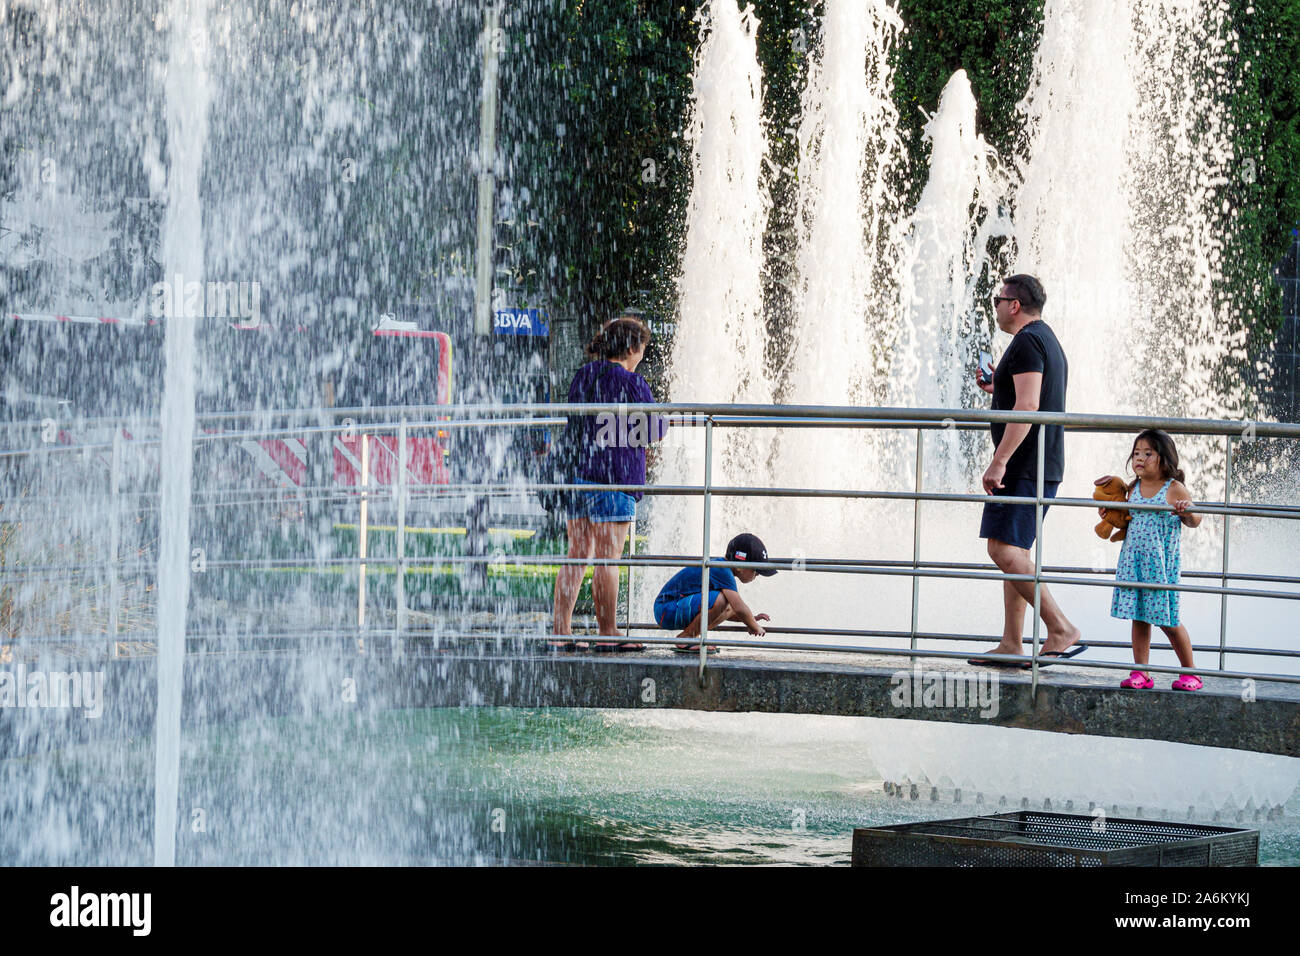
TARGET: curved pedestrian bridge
(1068,700)
(275,677)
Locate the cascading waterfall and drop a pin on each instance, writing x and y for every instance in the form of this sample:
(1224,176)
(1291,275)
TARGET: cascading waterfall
(849,158)
(1119,209)
(849,155)
(958,213)
(944,255)
(718,353)
(1181,160)
(1072,206)
(182,243)
(844,336)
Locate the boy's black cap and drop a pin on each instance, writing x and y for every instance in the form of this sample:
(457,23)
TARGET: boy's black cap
(747,547)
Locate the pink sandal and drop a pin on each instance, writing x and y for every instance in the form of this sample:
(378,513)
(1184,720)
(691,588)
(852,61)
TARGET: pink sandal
(1137,680)
(1187,682)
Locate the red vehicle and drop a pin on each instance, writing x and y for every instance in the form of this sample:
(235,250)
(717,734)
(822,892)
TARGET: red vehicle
(50,364)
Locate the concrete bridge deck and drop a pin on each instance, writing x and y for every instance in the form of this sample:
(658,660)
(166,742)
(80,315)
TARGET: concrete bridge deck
(287,677)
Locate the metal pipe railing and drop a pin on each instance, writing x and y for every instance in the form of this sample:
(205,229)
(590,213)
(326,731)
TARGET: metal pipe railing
(709,416)
(902,569)
(862,416)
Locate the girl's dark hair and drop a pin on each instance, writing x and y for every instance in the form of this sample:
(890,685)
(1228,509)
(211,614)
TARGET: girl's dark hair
(619,337)
(1164,447)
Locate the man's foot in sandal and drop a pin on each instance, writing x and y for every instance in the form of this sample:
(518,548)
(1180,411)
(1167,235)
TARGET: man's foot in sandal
(1137,680)
(567,646)
(694,648)
(611,647)
(986,662)
(1048,658)
(1187,682)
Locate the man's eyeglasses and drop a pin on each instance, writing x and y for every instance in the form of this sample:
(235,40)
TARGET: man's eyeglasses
(998,299)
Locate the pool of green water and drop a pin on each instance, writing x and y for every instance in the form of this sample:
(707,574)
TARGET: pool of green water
(482,786)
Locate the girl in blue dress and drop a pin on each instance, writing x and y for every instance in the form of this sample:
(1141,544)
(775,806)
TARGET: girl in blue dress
(1152,555)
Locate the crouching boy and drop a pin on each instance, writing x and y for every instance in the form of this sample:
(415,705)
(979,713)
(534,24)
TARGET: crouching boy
(678,608)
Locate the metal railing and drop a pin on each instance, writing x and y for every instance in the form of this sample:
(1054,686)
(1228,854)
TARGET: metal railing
(407,421)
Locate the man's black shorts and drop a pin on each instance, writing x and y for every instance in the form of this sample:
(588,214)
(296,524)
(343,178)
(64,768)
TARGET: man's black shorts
(1011,523)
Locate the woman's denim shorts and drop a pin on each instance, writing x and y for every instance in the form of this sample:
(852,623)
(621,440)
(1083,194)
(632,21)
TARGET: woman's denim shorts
(600,506)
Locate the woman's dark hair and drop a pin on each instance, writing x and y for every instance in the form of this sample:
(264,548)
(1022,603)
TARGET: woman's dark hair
(1164,447)
(619,337)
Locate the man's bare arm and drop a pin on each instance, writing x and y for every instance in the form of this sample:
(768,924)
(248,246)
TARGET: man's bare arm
(1029,387)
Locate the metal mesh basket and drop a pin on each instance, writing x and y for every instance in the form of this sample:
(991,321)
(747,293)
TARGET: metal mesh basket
(1032,838)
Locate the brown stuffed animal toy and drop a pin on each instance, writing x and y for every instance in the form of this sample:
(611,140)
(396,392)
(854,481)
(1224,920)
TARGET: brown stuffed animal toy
(1112,488)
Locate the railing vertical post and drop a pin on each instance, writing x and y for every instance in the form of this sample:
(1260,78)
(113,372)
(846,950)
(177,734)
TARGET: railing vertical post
(114,540)
(363,533)
(399,488)
(916,534)
(1038,560)
(1223,598)
(704,548)
(631,549)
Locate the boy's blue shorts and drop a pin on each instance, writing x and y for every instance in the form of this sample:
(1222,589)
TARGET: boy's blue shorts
(675,613)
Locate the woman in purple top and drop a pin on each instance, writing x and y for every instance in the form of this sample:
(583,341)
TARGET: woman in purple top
(611,450)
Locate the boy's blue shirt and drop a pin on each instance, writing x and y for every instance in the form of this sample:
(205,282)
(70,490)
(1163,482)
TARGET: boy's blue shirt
(687,581)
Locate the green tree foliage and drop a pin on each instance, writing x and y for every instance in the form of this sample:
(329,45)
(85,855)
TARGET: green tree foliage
(1267,112)
(992,40)
(1265,186)
(623,68)
(597,101)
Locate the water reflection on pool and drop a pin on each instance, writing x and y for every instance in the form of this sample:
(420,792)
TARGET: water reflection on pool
(485,786)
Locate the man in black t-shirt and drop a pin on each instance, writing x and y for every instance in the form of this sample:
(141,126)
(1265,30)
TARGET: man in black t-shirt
(1031,376)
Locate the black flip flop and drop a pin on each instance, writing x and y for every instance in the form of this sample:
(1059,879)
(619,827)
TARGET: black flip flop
(695,649)
(986,662)
(1055,657)
(612,647)
(566,646)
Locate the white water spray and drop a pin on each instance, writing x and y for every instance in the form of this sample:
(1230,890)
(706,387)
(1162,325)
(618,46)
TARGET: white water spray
(187,97)
(947,248)
(718,353)
(849,158)
(958,213)
(841,346)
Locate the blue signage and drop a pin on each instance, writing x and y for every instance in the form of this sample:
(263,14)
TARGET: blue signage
(521,322)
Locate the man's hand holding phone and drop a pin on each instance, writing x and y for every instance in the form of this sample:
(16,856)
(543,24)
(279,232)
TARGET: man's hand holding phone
(984,372)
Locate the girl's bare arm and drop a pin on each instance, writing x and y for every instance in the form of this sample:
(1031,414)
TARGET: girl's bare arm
(1181,501)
